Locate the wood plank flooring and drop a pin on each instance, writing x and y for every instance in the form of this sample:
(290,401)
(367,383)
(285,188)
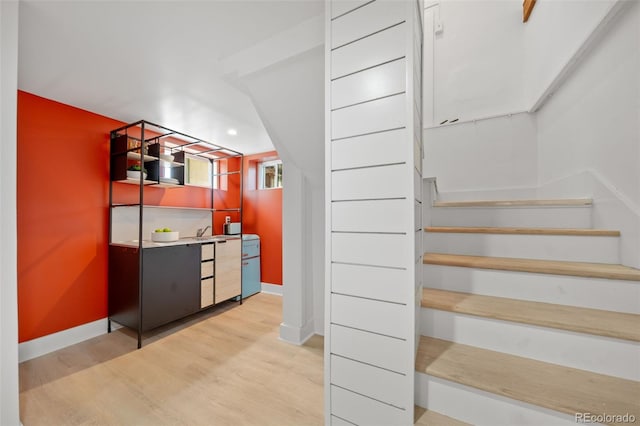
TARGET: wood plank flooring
(556,387)
(578,269)
(522,231)
(223,367)
(583,320)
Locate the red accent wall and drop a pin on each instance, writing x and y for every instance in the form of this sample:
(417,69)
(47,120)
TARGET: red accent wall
(63,217)
(262,215)
(63,197)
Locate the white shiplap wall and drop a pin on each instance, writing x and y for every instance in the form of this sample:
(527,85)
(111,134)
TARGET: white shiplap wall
(373,209)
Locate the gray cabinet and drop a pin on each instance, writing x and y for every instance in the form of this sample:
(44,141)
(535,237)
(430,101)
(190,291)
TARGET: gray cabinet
(170,284)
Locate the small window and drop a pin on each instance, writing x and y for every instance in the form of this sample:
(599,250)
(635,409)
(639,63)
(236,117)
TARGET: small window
(270,174)
(197,171)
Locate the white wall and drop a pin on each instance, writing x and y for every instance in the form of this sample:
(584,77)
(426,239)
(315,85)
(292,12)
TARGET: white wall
(556,31)
(485,155)
(487,62)
(289,98)
(593,123)
(478,59)
(9,409)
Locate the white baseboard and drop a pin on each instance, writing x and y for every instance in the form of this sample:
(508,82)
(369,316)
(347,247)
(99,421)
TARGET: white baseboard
(52,342)
(271,289)
(296,335)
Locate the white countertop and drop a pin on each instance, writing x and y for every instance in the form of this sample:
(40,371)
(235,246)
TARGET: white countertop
(181,241)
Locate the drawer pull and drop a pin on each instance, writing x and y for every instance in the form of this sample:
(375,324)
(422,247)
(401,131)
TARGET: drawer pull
(245,263)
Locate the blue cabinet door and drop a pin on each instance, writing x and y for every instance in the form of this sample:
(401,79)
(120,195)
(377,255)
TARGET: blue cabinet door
(250,276)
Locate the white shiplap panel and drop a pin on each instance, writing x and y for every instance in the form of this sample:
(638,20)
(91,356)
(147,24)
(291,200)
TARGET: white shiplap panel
(371,282)
(370,183)
(368,216)
(374,349)
(368,52)
(390,319)
(366,20)
(340,7)
(361,410)
(370,381)
(375,116)
(369,150)
(373,83)
(371,249)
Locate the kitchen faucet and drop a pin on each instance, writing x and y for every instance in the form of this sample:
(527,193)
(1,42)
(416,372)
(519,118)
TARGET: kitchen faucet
(201,231)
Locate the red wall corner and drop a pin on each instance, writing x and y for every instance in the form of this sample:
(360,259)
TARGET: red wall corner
(262,215)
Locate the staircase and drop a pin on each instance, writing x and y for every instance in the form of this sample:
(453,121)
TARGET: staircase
(527,317)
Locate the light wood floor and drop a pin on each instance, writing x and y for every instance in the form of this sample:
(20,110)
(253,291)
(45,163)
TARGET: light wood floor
(224,367)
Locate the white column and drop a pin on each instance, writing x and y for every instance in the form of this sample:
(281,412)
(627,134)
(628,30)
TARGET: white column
(9,409)
(297,291)
(373,209)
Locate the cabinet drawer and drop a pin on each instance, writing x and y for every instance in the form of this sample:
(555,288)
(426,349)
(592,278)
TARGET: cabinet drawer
(206,269)
(206,292)
(207,251)
(251,248)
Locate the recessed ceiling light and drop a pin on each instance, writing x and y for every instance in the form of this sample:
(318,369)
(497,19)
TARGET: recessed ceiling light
(232,132)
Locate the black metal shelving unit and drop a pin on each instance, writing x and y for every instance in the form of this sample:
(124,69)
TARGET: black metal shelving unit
(138,276)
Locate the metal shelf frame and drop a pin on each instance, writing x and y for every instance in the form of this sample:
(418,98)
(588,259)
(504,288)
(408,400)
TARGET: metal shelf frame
(147,133)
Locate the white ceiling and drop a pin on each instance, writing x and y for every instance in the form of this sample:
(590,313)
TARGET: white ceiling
(160,61)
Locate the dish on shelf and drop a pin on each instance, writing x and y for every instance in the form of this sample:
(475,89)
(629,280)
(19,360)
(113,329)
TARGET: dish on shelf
(165,237)
(133,174)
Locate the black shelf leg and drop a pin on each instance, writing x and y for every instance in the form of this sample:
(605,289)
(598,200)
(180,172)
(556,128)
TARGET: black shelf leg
(109,325)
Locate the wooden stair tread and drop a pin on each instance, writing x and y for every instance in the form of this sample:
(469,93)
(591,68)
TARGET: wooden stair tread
(564,389)
(424,417)
(570,202)
(582,320)
(522,231)
(579,269)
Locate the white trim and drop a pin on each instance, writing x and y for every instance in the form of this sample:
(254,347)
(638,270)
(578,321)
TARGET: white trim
(275,289)
(296,335)
(52,342)
(9,387)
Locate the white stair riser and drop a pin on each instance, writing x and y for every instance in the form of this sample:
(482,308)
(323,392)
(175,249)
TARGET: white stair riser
(548,247)
(541,217)
(596,293)
(599,354)
(481,408)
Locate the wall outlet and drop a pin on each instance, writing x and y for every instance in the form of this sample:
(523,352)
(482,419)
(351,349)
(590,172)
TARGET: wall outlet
(227,219)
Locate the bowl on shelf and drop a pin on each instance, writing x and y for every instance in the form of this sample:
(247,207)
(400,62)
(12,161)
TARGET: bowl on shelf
(134,174)
(166,158)
(165,237)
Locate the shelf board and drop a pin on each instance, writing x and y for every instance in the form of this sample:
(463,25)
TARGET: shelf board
(164,163)
(226,210)
(136,156)
(227,173)
(165,207)
(135,181)
(167,185)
